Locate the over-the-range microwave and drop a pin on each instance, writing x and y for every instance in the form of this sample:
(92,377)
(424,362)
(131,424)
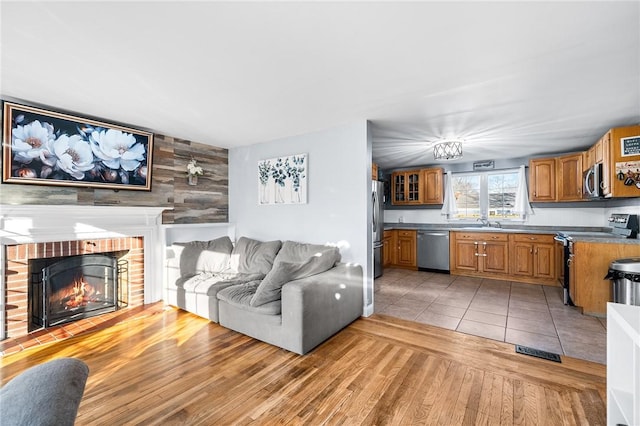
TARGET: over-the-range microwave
(592,182)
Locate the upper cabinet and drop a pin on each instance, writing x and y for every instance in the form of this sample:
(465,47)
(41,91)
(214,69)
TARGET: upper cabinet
(542,179)
(620,159)
(433,186)
(413,187)
(556,179)
(406,187)
(622,169)
(569,177)
(374,171)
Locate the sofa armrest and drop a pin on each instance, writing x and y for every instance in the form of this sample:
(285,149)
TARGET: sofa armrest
(316,307)
(172,265)
(47,394)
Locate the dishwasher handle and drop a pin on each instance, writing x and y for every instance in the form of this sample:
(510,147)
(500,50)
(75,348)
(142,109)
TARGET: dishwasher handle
(433,234)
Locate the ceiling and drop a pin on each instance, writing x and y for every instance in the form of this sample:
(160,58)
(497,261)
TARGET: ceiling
(513,79)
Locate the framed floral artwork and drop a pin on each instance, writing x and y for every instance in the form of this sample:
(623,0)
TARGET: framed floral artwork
(283,180)
(43,147)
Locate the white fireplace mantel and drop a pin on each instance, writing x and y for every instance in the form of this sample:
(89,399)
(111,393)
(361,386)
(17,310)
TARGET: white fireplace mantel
(36,224)
(21,224)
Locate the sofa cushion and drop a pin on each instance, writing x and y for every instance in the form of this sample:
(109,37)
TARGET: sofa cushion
(205,256)
(240,296)
(294,261)
(209,283)
(253,257)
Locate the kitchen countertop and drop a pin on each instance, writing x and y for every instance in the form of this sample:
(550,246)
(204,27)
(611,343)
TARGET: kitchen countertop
(578,233)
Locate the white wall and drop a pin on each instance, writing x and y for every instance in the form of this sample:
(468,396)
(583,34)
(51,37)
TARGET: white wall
(632,208)
(339,186)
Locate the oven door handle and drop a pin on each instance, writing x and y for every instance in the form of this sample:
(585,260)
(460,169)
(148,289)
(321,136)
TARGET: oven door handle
(561,240)
(570,260)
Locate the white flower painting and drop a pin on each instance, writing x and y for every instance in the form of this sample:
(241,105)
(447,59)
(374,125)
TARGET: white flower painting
(50,148)
(283,180)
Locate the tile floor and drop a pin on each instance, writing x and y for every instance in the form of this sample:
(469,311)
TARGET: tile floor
(525,314)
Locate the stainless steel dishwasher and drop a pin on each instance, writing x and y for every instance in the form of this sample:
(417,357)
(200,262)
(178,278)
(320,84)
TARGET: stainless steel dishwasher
(433,250)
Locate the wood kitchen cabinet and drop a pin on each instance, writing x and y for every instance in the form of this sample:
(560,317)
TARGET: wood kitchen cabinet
(589,158)
(605,144)
(593,155)
(389,248)
(433,186)
(407,187)
(608,152)
(569,177)
(474,253)
(533,256)
(406,255)
(374,171)
(542,179)
(618,163)
(529,258)
(402,249)
(415,187)
(588,267)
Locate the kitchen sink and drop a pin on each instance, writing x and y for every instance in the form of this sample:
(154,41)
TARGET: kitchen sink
(491,229)
(482,228)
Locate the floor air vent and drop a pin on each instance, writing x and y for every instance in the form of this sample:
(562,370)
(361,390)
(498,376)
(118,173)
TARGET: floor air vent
(538,353)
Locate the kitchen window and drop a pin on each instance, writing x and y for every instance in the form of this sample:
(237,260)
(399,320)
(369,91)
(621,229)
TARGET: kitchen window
(487,195)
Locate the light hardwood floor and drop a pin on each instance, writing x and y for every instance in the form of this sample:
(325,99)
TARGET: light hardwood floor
(172,367)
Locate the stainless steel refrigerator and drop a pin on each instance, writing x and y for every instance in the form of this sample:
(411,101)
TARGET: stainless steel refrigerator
(377,223)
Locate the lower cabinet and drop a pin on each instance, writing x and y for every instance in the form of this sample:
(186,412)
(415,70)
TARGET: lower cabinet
(502,255)
(479,253)
(533,256)
(388,248)
(588,288)
(399,248)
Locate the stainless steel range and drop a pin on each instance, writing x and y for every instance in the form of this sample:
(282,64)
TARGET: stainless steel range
(622,226)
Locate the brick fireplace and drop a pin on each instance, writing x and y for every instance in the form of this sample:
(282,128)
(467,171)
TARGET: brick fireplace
(127,250)
(133,234)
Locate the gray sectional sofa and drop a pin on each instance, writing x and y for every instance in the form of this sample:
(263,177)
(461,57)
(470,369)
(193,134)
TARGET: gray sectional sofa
(289,294)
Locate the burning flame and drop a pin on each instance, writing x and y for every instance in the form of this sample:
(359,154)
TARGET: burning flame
(77,294)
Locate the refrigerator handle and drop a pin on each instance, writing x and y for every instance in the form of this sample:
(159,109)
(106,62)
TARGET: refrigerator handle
(374,200)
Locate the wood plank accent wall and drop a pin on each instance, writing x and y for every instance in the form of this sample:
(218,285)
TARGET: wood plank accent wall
(205,203)
(208,201)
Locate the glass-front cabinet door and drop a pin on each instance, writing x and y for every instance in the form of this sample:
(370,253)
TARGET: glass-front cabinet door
(407,187)
(413,190)
(398,188)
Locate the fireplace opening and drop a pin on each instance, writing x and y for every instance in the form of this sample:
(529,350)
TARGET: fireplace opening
(75,287)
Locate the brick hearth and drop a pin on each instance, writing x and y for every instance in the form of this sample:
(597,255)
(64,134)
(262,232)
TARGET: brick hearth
(17,273)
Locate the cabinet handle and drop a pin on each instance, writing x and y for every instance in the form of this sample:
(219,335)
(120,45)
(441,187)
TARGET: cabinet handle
(530,250)
(484,249)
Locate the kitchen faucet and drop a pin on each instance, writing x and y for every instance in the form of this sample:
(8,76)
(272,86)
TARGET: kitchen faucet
(484,221)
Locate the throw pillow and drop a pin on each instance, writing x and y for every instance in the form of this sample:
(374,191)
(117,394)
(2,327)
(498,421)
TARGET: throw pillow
(205,256)
(270,288)
(300,252)
(253,256)
(322,259)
